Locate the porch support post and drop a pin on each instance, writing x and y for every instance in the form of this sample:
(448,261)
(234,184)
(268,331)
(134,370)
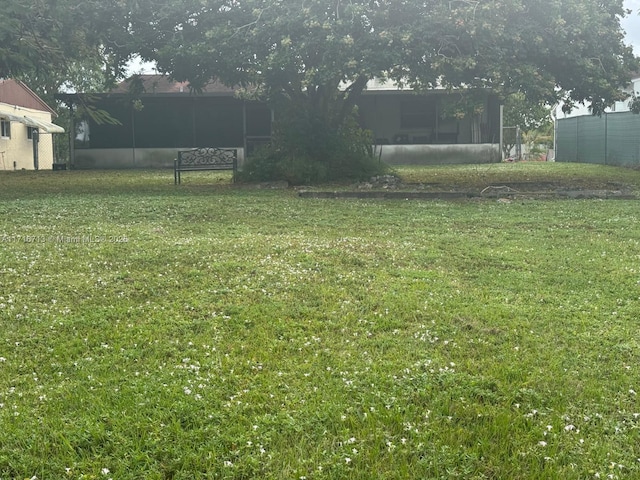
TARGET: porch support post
(244,131)
(501,132)
(72,136)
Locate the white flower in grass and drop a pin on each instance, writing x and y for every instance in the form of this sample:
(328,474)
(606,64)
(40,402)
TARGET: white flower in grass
(227,463)
(569,428)
(105,471)
(542,443)
(347,460)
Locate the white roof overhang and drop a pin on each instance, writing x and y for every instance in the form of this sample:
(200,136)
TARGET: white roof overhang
(41,125)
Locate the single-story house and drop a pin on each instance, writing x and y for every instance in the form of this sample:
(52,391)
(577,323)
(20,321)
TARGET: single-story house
(165,116)
(26,129)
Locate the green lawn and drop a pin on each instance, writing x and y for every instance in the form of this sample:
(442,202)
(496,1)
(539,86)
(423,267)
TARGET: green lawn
(149,331)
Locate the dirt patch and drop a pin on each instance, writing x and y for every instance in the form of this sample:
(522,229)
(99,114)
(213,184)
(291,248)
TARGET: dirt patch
(391,187)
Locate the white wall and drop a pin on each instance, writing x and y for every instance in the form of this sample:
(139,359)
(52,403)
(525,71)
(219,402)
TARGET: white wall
(439,154)
(16,152)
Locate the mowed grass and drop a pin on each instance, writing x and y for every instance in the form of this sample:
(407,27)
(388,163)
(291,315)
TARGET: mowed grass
(216,331)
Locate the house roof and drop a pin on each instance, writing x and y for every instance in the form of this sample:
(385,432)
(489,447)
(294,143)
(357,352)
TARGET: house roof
(14,92)
(162,84)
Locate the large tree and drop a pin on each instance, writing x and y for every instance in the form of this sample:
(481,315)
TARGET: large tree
(50,43)
(314,57)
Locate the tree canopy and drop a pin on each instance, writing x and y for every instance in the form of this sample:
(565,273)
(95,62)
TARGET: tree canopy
(306,49)
(547,49)
(51,43)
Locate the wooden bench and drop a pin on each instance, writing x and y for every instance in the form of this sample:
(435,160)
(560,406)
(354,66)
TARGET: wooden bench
(205,158)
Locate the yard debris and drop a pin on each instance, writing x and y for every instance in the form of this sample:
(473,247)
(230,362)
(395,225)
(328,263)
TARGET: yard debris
(386,182)
(495,190)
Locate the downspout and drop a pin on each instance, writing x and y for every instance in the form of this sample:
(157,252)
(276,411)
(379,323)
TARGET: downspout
(35,139)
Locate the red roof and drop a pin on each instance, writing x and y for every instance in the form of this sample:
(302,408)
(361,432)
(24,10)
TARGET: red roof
(14,92)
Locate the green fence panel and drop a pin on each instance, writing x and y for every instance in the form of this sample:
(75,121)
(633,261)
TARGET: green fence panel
(623,139)
(611,139)
(567,140)
(592,139)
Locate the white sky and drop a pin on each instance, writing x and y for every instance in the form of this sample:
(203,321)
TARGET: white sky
(631,24)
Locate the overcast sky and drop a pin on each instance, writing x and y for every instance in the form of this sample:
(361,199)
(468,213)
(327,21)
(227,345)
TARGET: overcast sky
(631,24)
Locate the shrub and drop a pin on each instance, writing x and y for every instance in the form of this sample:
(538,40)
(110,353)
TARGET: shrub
(305,150)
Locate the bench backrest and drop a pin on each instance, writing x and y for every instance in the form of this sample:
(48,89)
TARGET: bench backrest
(209,157)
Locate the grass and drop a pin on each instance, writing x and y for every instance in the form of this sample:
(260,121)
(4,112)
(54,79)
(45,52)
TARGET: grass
(210,331)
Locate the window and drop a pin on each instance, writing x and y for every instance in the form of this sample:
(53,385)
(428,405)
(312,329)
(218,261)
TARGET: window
(30,131)
(5,128)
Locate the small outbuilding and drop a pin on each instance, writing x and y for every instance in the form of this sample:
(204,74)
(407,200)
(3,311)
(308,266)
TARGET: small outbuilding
(26,129)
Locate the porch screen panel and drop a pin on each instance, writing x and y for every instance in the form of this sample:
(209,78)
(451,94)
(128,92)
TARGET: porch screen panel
(219,122)
(418,113)
(491,133)
(112,136)
(164,123)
